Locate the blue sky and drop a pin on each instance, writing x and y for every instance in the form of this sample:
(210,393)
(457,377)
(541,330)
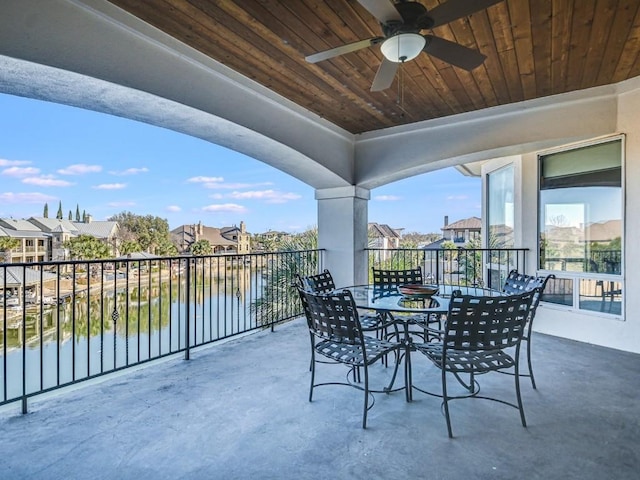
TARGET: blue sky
(105,165)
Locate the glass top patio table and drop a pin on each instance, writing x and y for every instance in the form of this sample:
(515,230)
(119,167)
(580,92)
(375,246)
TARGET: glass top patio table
(387,299)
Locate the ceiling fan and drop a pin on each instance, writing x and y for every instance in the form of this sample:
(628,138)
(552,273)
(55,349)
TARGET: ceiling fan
(402,41)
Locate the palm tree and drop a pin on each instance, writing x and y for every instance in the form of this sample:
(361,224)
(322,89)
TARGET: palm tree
(279,300)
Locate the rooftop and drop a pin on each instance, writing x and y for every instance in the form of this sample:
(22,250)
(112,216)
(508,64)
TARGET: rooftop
(239,410)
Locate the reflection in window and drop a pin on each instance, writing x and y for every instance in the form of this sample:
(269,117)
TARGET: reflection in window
(500,211)
(601,296)
(500,222)
(581,209)
(559,291)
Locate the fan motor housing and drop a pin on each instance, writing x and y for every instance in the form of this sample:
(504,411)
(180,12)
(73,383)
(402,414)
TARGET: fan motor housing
(414,18)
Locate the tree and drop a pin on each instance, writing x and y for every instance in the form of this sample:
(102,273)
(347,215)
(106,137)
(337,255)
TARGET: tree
(45,212)
(84,216)
(278,299)
(149,231)
(415,239)
(59,214)
(70,217)
(166,249)
(6,245)
(86,247)
(129,246)
(201,247)
(77,213)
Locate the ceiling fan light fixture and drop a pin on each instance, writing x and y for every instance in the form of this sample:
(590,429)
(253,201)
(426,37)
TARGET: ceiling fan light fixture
(402,47)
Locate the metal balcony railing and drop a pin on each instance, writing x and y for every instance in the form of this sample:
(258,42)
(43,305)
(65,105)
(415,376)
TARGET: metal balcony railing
(486,267)
(67,322)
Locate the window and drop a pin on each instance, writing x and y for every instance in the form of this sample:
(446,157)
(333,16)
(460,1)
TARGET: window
(580,223)
(500,211)
(500,224)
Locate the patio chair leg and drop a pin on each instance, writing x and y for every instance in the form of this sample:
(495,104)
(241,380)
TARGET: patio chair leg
(445,399)
(366,396)
(533,380)
(519,397)
(313,373)
(395,372)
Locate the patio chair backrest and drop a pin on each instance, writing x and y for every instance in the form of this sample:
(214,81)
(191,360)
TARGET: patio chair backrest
(332,316)
(393,278)
(519,282)
(487,323)
(319,283)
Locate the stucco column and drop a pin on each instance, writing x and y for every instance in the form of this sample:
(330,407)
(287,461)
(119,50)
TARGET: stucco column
(342,232)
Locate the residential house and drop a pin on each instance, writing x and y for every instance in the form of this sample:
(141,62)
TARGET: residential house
(383,236)
(63,230)
(463,231)
(263,242)
(35,245)
(223,240)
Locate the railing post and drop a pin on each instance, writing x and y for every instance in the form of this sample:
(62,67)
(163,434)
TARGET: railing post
(23,300)
(187,334)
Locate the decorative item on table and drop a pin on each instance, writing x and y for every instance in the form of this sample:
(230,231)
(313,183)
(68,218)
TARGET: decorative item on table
(418,290)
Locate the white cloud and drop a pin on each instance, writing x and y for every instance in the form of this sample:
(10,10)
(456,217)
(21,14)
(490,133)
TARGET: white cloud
(46,181)
(110,186)
(129,171)
(387,198)
(121,204)
(225,208)
(458,197)
(10,163)
(236,186)
(33,197)
(216,196)
(173,208)
(270,196)
(20,171)
(205,179)
(80,169)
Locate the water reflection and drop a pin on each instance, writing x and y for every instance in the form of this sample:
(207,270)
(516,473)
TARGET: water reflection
(110,329)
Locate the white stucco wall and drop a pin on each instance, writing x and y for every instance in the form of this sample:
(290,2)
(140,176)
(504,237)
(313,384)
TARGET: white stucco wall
(620,333)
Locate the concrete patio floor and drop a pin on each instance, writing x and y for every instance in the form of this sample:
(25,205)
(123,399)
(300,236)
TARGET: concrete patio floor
(239,410)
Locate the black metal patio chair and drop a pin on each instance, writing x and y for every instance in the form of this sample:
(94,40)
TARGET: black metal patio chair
(477,332)
(318,283)
(323,283)
(517,283)
(386,280)
(336,334)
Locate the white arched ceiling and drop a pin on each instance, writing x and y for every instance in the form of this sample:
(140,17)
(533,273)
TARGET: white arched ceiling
(91,54)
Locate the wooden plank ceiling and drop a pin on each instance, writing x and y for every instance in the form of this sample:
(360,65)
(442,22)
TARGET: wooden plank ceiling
(534,48)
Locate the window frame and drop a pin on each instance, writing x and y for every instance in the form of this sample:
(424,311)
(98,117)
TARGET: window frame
(578,277)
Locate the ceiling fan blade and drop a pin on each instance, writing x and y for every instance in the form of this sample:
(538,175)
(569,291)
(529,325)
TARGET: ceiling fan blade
(384,76)
(383,10)
(454,9)
(453,53)
(349,47)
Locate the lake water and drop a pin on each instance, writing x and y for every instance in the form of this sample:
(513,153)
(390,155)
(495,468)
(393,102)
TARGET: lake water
(112,329)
